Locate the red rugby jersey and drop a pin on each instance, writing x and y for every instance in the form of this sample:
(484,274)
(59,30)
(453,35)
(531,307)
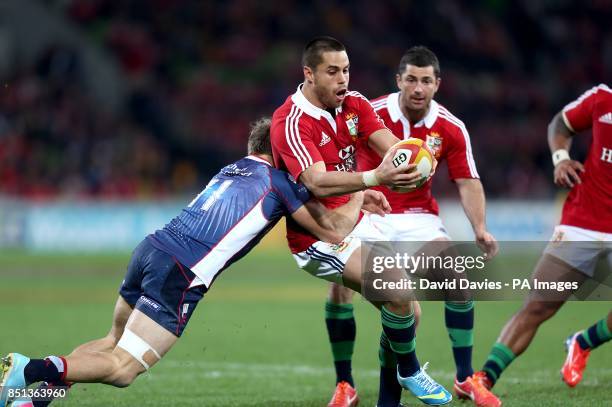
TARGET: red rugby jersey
(589,204)
(444,134)
(303,134)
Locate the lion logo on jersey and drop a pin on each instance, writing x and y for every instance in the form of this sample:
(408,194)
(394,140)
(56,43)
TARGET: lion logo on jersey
(352,122)
(434,142)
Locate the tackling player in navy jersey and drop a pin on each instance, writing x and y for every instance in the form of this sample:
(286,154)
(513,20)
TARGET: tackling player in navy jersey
(172,269)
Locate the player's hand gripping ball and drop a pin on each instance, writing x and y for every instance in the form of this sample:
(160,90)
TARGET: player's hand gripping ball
(413,151)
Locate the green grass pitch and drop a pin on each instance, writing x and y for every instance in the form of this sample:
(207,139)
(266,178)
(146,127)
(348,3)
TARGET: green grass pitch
(258,338)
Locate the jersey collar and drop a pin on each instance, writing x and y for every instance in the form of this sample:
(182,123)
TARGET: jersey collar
(252,157)
(316,112)
(396,113)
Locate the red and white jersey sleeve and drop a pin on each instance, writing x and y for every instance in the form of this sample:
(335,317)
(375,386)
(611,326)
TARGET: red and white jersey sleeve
(578,115)
(293,143)
(459,155)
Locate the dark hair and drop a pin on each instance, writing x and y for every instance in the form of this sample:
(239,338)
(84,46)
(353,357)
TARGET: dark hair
(419,56)
(312,55)
(259,137)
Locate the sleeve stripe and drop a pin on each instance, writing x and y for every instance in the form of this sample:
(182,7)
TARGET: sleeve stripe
(292,133)
(359,95)
(297,137)
(379,105)
(468,145)
(288,125)
(567,123)
(585,95)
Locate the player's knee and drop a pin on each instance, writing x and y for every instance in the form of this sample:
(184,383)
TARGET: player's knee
(339,294)
(123,376)
(400,306)
(113,337)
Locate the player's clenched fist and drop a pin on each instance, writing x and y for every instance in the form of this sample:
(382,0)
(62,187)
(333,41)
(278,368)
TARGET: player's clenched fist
(567,173)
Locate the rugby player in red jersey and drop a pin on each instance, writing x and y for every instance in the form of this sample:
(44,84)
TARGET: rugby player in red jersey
(586,222)
(315,134)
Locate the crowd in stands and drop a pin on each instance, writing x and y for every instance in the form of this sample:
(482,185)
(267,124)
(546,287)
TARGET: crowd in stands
(199,71)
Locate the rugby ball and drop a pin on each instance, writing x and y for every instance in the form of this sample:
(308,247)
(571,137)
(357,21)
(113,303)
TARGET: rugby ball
(413,151)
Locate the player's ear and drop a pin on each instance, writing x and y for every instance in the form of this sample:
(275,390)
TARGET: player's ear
(438,80)
(308,74)
(398,80)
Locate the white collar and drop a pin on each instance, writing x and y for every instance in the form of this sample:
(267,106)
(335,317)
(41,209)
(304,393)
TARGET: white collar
(261,160)
(301,102)
(393,106)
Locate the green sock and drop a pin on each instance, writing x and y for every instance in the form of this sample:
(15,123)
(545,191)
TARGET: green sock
(342,330)
(594,336)
(459,318)
(498,360)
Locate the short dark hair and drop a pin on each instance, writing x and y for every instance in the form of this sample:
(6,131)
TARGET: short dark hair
(419,56)
(259,137)
(312,55)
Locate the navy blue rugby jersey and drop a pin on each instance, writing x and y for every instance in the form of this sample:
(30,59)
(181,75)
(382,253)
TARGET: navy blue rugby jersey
(229,217)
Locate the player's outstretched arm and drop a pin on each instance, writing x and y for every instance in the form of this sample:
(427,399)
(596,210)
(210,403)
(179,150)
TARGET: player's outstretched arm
(322,183)
(473,202)
(329,225)
(566,173)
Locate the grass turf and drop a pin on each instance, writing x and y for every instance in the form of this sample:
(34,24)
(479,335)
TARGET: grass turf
(258,338)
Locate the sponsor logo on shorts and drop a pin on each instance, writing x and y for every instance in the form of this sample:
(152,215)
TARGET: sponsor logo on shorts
(149,303)
(340,247)
(558,236)
(185,311)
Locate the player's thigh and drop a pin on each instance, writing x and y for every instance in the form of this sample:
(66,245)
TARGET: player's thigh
(121,315)
(352,275)
(579,248)
(551,269)
(156,336)
(143,343)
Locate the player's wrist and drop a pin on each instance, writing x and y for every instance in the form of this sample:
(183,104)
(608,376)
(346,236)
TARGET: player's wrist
(560,155)
(480,232)
(370,179)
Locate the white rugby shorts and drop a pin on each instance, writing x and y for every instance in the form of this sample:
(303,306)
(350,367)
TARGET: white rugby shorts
(587,247)
(327,261)
(411,227)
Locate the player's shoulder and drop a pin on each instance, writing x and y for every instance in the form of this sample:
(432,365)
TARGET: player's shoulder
(381,102)
(354,100)
(601,90)
(289,117)
(356,95)
(283,110)
(449,120)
